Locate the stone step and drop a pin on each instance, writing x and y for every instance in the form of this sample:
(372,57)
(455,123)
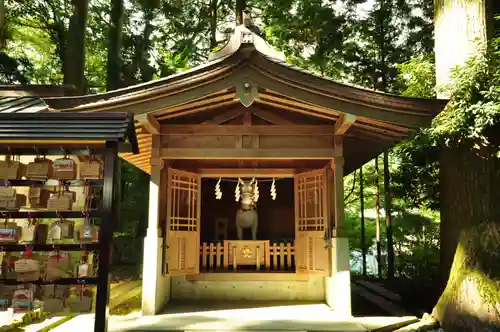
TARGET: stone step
(384,304)
(124,287)
(380,290)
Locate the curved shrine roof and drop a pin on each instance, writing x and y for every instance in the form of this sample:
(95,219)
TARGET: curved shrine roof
(248,59)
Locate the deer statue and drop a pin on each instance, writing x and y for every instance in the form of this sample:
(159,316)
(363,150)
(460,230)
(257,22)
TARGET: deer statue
(246,217)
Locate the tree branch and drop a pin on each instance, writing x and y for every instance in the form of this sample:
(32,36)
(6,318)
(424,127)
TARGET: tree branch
(353,185)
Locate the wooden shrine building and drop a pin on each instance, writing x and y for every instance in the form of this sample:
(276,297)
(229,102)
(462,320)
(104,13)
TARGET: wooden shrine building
(245,115)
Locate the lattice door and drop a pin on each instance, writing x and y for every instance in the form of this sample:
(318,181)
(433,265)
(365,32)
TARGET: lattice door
(183,222)
(311,218)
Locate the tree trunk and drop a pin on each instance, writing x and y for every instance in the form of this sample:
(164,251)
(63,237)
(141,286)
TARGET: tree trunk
(74,71)
(143,48)
(3,26)
(213,24)
(466,22)
(470,238)
(240,7)
(115,46)
(377,219)
(388,217)
(362,208)
(469,194)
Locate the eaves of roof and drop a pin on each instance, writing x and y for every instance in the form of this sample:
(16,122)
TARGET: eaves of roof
(75,127)
(22,105)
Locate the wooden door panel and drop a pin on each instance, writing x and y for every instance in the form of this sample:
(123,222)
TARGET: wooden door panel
(183,222)
(182,259)
(311,254)
(311,217)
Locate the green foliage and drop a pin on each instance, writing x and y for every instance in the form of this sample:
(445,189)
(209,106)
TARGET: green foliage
(358,42)
(415,231)
(418,76)
(474,107)
(128,236)
(310,33)
(472,115)
(416,238)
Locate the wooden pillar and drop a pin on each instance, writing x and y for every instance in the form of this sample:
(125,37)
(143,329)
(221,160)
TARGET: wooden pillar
(155,285)
(338,279)
(338,187)
(110,208)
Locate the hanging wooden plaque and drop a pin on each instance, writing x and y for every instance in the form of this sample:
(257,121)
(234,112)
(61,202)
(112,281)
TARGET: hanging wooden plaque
(65,169)
(27,269)
(40,169)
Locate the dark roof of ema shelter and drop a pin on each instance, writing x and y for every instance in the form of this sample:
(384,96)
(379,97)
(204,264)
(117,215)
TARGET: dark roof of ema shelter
(381,119)
(45,128)
(22,105)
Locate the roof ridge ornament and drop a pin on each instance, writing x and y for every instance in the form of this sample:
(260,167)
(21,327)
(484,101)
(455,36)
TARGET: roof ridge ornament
(243,35)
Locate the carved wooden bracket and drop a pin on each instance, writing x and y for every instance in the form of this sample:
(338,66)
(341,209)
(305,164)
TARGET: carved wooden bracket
(149,123)
(158,163)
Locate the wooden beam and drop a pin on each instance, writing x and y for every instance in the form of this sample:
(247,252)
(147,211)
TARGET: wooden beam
(238,130)
(295,109)
(149,123)
(236,153)
(190,111)
(224,117)
(272,118)
(344,123)
(247,172)
(247,118)
(247,277)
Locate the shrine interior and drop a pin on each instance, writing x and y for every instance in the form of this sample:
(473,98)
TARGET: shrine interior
(276,217)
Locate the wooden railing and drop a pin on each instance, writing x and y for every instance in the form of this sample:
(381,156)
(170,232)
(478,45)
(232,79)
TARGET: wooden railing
(281,256)
(211,256)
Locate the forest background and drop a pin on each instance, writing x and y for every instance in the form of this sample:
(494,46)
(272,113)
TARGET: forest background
(384,45)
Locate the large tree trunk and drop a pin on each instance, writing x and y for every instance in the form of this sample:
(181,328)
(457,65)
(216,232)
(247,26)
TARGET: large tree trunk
(3,26)
(466,22)
(469,193)
(388,218)
(115,45)
(471,300)
(74,71)
(470,238)
(377,220)
(144,43)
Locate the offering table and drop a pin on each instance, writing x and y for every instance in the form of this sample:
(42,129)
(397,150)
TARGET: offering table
(246,252)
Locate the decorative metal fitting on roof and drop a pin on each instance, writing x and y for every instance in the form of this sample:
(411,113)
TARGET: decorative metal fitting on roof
(246,37)
(247,93)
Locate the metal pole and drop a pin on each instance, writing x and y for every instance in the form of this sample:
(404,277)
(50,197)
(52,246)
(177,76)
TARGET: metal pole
(363,231)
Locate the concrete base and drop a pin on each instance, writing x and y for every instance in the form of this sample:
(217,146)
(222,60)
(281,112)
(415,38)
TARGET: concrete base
(209,317)
(155,286)
(287,289)
(203,316)
(338,284)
